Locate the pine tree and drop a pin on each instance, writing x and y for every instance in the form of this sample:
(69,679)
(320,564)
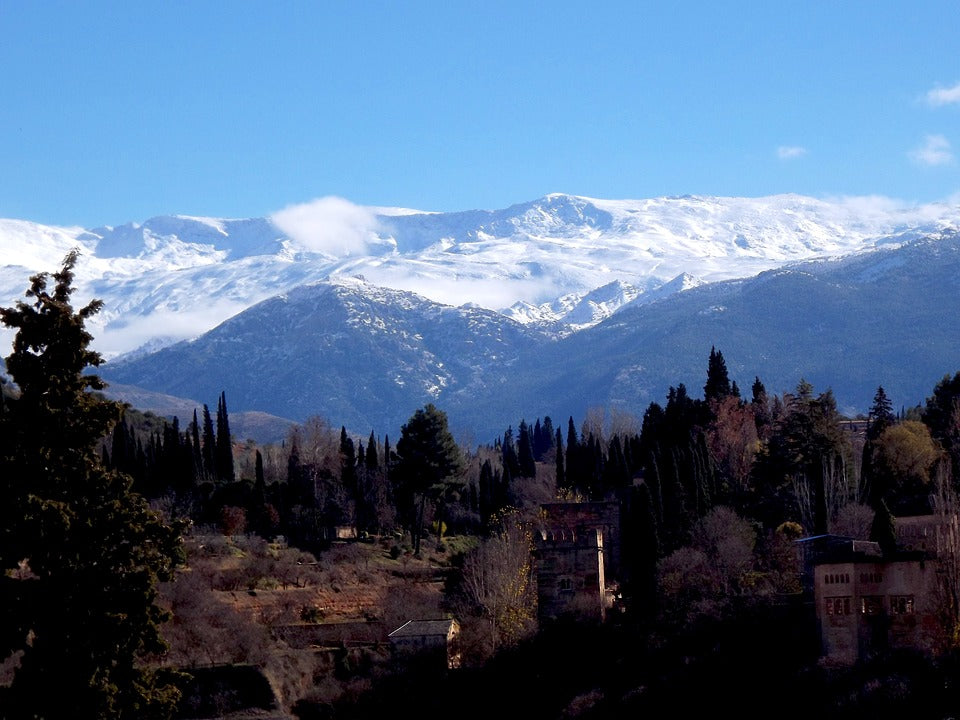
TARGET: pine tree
(428,458)
(87,615)
(881,415)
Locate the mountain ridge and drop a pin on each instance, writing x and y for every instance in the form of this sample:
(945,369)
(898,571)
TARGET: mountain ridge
(367,357)
(175,277)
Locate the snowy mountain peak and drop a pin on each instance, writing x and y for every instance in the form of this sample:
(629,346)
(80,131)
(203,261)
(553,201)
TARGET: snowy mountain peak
(561,261)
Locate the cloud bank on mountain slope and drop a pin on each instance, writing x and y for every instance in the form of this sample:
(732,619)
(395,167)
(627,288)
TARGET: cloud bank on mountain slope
(330,225)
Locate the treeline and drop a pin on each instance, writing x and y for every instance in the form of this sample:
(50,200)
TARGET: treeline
(773,459)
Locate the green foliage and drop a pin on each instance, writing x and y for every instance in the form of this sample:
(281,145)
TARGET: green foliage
(84,614)
(428,458)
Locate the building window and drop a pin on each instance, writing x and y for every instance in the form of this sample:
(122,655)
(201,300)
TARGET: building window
(838,605)
(901,604)
(871,605)
(565,585)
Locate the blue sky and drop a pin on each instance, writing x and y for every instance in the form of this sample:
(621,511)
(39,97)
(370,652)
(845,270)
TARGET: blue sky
(118,111)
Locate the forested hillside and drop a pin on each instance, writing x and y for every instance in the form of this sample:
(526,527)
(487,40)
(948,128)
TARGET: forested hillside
(240,550)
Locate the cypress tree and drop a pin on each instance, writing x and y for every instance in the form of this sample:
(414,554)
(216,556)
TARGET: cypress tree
(561,473)
(573,452)
(525,463)
(209,446)
(197,448)
(224,447)
(372,461)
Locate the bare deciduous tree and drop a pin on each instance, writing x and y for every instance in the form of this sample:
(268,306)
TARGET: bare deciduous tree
(498,584)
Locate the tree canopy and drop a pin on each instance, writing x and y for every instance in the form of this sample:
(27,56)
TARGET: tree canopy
(81,554)
(428,456)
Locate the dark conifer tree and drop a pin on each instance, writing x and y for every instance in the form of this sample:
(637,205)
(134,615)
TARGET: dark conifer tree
(86,621)
(881,415)
(372,461)
(537,441)
(718,382)
(526,465)
(258,470)
(348,470)
(224,451)
(428,457)
(616,475)
(511,462)
(486,502)
(573,456)
(561,473)
(548,434)
(197,448)
(209,446)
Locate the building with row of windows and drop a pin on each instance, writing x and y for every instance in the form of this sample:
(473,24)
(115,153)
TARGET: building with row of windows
(867,602)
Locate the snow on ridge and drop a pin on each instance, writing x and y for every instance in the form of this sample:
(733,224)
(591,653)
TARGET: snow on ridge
(545,260)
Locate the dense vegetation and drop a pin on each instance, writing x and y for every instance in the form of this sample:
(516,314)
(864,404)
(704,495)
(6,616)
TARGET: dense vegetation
(713,491)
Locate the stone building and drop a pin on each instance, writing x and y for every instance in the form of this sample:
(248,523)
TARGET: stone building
(578,560)
(866,602)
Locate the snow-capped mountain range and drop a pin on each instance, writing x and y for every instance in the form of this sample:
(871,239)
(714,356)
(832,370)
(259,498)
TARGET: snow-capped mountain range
(552,306)
(561,262)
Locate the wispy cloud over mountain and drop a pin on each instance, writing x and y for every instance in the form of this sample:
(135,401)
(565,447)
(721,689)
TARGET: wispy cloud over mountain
(329,225)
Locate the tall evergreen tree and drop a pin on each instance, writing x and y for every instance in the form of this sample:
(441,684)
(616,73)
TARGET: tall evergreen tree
(372,461)
(428,458)
(196,447)
(538,443)
(881,415)
(573,455)
(87,616)
(525,462)
(548,434)
(209,446)
(718,382)
(224,447)
(561,472)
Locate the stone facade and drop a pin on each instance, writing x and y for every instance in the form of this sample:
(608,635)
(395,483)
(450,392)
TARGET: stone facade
(578,555)
(868,603)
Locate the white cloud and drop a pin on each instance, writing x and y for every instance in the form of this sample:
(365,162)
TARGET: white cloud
(790,152)
(466,285)
(944,96)
(935,150)
(329,225)
(130,332)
